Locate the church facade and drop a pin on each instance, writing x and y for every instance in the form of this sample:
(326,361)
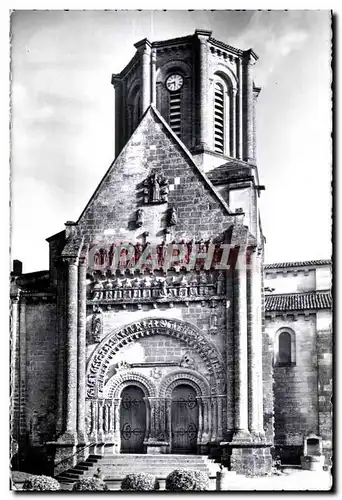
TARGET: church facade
(148,333)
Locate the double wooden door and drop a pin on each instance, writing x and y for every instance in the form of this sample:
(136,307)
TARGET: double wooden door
(184,420)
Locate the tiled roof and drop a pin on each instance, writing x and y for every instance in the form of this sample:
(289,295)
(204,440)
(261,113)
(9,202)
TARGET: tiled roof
(298,301)
(230,171)
(282,265)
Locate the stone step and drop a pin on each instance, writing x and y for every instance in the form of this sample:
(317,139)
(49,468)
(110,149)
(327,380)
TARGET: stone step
(152,470)
(116,467)
(148,460)
(150,463)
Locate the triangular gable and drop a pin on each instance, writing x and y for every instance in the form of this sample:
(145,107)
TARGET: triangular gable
(153,147)
(153,110)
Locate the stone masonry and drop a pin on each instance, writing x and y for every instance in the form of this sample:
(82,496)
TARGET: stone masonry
(87,335)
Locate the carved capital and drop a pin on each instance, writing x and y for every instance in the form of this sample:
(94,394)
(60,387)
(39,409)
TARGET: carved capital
(70,260)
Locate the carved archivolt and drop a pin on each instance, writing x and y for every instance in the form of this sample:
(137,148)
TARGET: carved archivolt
(195,380)
(118,382)
(101,358)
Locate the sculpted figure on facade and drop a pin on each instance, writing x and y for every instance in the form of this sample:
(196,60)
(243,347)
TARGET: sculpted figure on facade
(96,325)
(163,288)
(139,217)
(172,217)
(98,290)
(108,289)
(220,284)
(155,189)
(193,285)
(188,362)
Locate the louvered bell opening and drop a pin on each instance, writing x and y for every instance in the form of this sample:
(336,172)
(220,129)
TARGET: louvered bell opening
(175,113)
(219,119)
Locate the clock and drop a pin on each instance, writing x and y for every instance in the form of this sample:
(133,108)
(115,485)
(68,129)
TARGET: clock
(174,82)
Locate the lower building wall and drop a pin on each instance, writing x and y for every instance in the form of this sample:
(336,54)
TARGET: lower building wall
(325,378)
(38,381)
(302,390)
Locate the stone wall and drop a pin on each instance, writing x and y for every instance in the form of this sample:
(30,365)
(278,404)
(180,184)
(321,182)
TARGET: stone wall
(41,344)
(290,280)
(325,381)
(295,387)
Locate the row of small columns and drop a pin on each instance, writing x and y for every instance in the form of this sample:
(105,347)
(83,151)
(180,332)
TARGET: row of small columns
(105,419)
(248,346)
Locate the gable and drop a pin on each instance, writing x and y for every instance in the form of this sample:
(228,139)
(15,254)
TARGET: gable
(154,149)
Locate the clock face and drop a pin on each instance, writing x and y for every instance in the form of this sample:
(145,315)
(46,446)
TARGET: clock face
(174,82)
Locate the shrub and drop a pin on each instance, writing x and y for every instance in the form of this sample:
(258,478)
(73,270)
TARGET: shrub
(140,481)
(187,480)
(202,480)
(41,483)
(90,484)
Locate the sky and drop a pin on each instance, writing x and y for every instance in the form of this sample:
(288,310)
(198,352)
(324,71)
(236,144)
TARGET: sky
(62,105)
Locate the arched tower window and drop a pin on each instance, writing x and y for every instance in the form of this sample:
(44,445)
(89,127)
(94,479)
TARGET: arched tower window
(219,118)
(285,348)
(133,108)
(136,111)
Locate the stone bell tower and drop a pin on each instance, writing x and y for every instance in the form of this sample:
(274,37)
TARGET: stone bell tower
(202,87)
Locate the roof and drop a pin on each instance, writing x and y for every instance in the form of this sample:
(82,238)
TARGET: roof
(304,263)
(56,236)
(298,301)
(232,170)
(36,281)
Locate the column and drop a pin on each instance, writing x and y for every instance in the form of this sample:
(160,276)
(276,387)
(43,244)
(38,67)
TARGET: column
(116,425)
(240,345)
(254,341)
(119,118)
(153,76)
(233,123)
(81,347)
(206,405)
(255,96)
(60,346)
(239,135)
(71,346)
(203,94)
(146,76)
(248,110)
(220,401)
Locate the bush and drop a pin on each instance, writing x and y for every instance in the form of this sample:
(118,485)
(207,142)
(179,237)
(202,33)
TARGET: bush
(187,480)
(140,481)
(202,480)
(41,483)
(90,484)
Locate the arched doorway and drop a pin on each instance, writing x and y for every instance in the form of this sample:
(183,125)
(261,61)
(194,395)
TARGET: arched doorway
(184,420)
(132,420)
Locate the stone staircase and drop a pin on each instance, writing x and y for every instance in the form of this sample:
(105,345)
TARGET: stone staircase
(116,467)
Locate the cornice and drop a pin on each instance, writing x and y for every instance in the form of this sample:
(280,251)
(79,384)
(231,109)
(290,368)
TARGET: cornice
(225,46)
(172,41)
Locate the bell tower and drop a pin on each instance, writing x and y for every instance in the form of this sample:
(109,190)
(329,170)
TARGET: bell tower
(202,87)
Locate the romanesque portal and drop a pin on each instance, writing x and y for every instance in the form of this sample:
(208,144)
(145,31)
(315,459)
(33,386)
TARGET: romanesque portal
(139,409)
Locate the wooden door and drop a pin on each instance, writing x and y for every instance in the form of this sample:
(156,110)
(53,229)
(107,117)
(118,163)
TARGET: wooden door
(132,420)
(184,420)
